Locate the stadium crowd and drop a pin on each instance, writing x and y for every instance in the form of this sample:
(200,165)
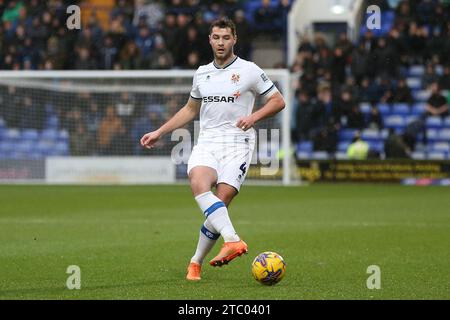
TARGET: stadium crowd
(334,80)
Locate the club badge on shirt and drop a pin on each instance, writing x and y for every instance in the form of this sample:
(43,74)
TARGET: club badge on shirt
(235,78)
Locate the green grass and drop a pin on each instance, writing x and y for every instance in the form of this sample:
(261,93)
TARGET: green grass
(135,242)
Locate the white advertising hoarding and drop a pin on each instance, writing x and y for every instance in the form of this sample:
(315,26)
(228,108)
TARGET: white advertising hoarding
(110,170)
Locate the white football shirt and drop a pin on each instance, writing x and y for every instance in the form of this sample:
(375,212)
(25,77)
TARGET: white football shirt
(228,94)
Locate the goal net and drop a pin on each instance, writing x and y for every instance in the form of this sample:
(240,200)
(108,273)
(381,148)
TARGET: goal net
(85,127)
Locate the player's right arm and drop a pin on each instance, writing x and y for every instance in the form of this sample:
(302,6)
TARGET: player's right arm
(182,117)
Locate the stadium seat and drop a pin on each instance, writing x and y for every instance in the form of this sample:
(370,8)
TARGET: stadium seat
(365,107)
(437,156)
(52,122)
(319,155)
(12,134)
(370,135)
(303,155)
(2,123)
(63,136)
(347,134)
(421,95)
(24,146)
(444,134)
(432,135)
(416,70)
(434,122)
(400,109)
(414,83)
(305,146)
(441,146)
(6,146)
(30,134)
(343,146)
(384,108)
(44,146)
(50,134)
(410,119)
(418,108)
(447,122)
(61,149)
(418,155)
(384,134)
(395,122)
(376,146)
(341,155)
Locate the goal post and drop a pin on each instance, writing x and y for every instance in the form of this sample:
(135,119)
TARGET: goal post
(56,123)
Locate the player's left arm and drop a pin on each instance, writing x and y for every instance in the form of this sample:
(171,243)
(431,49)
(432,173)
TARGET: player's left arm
(274,104)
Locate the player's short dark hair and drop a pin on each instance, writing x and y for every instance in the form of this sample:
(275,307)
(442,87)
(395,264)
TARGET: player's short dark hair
(223,23)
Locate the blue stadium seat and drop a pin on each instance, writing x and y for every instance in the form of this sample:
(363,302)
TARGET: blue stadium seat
(12,134)
(61,149)
(376,146)
(444,134)
(303,155)
(30,134)
(418,155)
(370,135)
(52,122)
(447,122)
(432,134)
(418,108)
(50,134)
(24,147)
(63,136)
(410,119)
(414,83)
(319,155)
(343,146)
(440,146)
(365,107)
(416,70)
(341,155)
(2,123)
(384,134)
(306,146)
(44,146)
(434,122)
(395,122)
(400,108)
(384,108)
(421,95)
(6,146)
(436,155)
(347,134)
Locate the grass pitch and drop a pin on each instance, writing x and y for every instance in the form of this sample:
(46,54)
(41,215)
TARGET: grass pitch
(134,242)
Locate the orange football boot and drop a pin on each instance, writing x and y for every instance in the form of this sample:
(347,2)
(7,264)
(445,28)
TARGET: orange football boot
(193,272)
(229,251)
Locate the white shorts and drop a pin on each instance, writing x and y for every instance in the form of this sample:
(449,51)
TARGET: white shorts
(231,161)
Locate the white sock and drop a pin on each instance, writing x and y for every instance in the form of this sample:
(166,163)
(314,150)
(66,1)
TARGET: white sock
(216,214)
(206,241)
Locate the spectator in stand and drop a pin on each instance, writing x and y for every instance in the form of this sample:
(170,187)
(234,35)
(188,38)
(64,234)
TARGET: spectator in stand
(368,92)
(130,57)
(402,93)
(265,16)
(108,53)
(437,103)
(244,34)
(126,109)
(161,57)
(359,62)
(355,118)
(444,80)
(80,141)
(375,120)
(304,109)
(395,147)
(326,139)
(84,60)
(429,76)
(109,132)
(145,42)
(358,149)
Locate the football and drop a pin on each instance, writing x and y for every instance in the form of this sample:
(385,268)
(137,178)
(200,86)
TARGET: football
(268,268)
